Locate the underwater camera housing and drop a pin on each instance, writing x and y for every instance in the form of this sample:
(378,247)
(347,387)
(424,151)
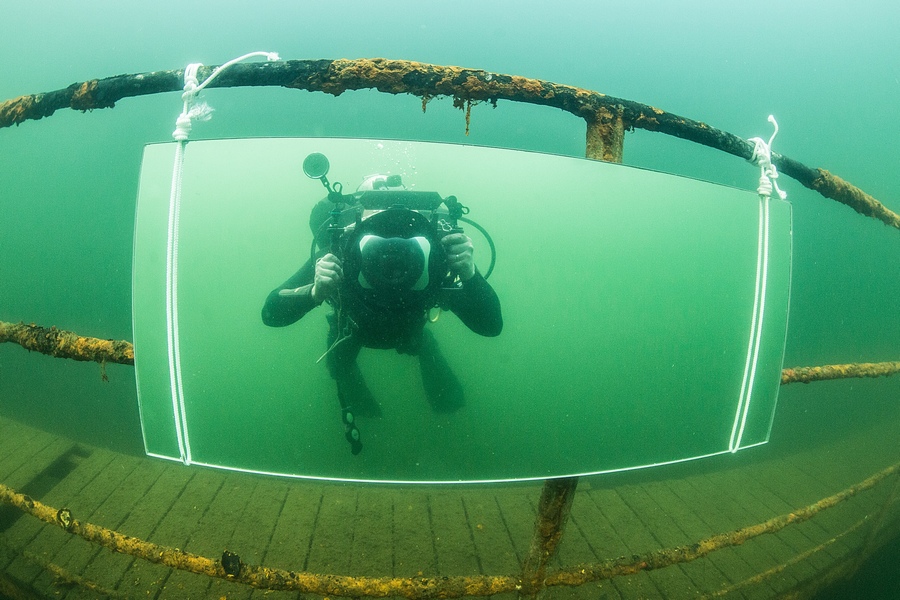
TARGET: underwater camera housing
(388,238)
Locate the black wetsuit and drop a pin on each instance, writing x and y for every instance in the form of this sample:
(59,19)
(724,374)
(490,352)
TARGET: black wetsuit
(391,326)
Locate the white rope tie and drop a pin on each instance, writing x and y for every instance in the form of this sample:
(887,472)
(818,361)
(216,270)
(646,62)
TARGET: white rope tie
(762,156)
(201,111)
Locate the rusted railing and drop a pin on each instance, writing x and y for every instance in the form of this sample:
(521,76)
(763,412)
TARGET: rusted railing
(607,117)
(230,566)
(66,344)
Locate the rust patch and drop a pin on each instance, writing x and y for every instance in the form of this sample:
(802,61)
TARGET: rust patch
(645,121)
(426,80)
(83,98)
(531,86)
(382,74)
(605,138)
(832,186)
(477,87)
(65,344)
(16,110)
(809,374)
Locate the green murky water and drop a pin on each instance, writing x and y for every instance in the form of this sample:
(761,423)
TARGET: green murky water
(828,72)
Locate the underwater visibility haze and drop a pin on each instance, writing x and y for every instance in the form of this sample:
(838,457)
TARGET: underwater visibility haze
(828,71)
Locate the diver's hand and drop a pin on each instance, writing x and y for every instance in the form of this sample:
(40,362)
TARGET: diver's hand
(329,275)
(458,247)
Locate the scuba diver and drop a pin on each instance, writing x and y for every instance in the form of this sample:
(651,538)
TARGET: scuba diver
(383,258)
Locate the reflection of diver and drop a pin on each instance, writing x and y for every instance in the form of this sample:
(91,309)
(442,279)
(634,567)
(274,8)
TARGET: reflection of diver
(395,255)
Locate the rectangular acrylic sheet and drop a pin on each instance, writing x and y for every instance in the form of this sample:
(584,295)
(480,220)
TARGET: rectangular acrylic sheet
(644,317)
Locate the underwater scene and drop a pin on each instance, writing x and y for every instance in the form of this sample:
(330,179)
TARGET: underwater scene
(631,298)
(464,410)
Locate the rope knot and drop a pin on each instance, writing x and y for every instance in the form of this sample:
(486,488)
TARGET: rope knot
(762,157)
(191,84)
(192,88)
(182,128)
